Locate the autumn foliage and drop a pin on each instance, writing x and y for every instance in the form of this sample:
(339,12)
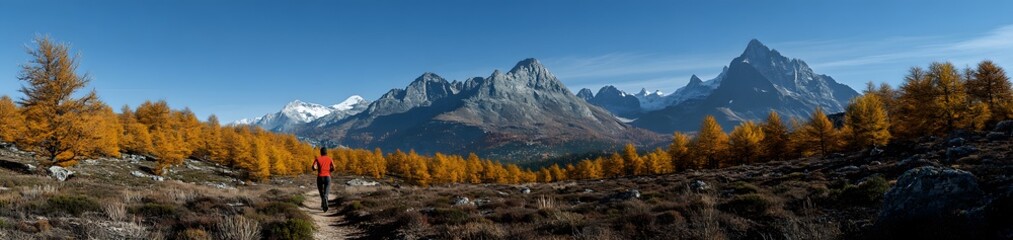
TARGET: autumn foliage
(62,126)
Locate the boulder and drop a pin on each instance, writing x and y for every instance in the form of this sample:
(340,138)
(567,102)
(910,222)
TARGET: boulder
(955,153)
(956,142)
(1005,126)
(358,182)
(875,151)
(525,190)
(461,201)
(60,173)
(996,136)
(931,200)
(158,178)
(698,185)
(138,174)
(623,196)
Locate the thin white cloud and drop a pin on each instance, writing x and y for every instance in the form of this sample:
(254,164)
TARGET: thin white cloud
(998,39)
(626,64)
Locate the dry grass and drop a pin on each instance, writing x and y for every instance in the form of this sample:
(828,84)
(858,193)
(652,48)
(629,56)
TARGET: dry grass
(237,228)
(115,210)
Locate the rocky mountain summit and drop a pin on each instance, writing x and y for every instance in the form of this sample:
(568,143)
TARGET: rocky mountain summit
(521,113)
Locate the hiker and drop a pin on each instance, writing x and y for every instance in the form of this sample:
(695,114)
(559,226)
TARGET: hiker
(324,167)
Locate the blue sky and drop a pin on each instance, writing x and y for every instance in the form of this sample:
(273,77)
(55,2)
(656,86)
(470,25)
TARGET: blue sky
(246,58)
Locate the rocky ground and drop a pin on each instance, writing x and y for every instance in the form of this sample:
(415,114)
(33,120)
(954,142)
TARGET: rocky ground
(120,199)
(934,188)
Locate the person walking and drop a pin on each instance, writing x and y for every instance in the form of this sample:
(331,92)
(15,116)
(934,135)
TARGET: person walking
(324,166)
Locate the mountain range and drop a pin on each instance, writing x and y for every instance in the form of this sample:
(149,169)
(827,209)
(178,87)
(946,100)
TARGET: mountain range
(297,113)
(527,113)
(760,80)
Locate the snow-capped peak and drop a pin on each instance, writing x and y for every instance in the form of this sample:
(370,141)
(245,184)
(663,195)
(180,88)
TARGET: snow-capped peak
(305,112)
(349,103)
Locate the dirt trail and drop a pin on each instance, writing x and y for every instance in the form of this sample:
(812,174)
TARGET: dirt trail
(329,223)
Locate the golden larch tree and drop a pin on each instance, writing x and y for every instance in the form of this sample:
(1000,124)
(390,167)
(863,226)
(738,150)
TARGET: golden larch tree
(12,123)
(866,122)
(820,132)
(775,138)
(744,143)
(990,85)
(678,152)
(710,144)
(53,117)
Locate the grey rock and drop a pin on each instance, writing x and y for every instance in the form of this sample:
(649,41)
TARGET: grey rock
(955,153)
(501,193)
(849,169)
(875,151)
(588,191)
(358,182)
(698,185)
(60,173)
(1005,126)
(931,195)
(138,174)
(462,201)
(955,142)
(158,178)
(623,196)
(525,190)
(996,136)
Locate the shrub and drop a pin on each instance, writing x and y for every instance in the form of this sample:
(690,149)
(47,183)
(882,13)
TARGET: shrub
(237,228)
(752,204)
(194,234)
(287,210)
(156,210)
(451,216)
(867,192)
(292,229)
(741,187)
(73,205)
(115,210)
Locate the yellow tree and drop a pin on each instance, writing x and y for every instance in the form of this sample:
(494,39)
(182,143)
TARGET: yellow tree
(168,144)
(12,123)
(135,139)
(211,141)
(711,143)
(189,128)
(991,86)
(745,142)
(558,174)
(678,152)
(916,111)
(867,122)
(954,111)
(820,132)
(474,169)
(614,166)
(53,117)
(105,125)
(775,138)
(635,164)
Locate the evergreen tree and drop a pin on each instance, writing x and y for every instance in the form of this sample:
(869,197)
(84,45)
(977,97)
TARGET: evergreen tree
(635,165)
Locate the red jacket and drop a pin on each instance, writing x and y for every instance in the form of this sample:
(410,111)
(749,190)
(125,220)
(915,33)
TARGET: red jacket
(324,166)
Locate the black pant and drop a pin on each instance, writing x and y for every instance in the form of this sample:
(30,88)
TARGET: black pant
(323,185)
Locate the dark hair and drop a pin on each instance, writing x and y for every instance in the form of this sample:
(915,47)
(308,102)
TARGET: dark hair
(323,151)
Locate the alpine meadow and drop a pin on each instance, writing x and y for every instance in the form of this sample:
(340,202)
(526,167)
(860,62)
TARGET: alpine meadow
(432,141)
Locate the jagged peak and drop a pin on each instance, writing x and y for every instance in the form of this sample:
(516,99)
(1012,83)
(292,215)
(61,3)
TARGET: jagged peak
(695,79)
(756,50)
(529,63)
(429,77)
